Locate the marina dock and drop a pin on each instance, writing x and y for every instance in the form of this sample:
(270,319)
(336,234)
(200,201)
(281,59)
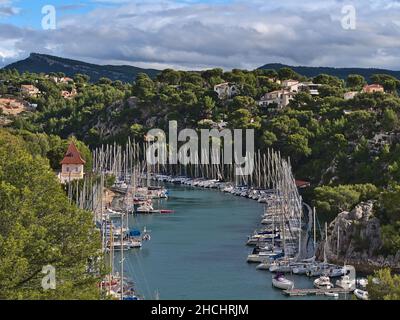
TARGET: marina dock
(313,291)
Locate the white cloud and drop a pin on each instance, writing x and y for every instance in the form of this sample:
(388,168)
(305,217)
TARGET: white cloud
(243,34)
(7,9)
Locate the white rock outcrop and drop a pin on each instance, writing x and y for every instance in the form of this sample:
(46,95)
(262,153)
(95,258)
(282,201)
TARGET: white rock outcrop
(355,238)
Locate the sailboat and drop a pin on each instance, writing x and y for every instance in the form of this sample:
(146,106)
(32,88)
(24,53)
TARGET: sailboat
(279,281)
(147,208)
(325,268)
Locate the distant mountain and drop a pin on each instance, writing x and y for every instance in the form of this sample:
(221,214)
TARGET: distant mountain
(338,72)
(38,63)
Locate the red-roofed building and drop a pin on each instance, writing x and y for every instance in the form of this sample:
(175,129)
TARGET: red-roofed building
(373,88)
(302,184)
(72,165)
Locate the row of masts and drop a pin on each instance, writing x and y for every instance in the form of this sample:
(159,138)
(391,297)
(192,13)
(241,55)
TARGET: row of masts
(127,163)
(120,161)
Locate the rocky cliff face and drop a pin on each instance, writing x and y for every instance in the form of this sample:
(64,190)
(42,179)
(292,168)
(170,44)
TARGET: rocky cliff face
(354,238)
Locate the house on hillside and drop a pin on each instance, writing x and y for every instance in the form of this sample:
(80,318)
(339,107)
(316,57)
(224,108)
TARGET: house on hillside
(69,95)
(65,80)
(279,97)
(72,166)
(226,90)
(291,85)
(297,86)
(371,88)
(13,106)
(29,90)
(350,95)
(289,90)
(311,88)
(275,80)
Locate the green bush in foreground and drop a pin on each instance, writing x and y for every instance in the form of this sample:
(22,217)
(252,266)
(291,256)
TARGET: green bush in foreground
(39,227)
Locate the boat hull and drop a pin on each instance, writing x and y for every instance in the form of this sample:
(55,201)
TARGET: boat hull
(283,285)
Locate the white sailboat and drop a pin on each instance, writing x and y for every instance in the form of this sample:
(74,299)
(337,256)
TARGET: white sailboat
(279,281)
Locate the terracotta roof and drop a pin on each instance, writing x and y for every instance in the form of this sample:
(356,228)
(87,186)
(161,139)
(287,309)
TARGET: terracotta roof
(373,86)
(72,156)
(302,184)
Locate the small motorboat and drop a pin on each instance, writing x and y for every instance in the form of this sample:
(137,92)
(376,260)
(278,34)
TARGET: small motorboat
(113,214)
(323,282)
(362,282)
(332,294)
(346,283)
(146,208)
(279,281)
(264,265)
(361,294)
(134,243)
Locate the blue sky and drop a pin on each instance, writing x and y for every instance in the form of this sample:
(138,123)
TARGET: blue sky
(197,34)
(30,10)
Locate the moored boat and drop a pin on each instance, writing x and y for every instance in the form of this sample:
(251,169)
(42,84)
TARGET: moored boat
(279,281)
(332,294)
(361,294)
(346,283)
(323,283)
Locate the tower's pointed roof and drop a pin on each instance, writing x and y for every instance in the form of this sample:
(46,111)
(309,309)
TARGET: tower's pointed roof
(72,156)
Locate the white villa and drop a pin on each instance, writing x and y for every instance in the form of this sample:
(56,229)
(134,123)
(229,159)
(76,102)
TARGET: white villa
(350,95)
(226,90)
(280,97)
(290,88)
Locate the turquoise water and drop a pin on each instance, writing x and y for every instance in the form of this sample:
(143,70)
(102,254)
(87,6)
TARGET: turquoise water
(199,251)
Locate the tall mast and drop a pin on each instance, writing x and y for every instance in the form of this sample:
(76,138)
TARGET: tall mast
(315,229)
(338,236)
(299,253)
(122,257)
(326,242)
(111,256)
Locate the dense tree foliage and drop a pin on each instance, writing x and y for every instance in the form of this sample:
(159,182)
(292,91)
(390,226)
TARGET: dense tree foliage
(384,286)
(39,227)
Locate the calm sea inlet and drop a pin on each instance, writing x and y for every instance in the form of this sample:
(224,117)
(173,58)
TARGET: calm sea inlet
(199,251)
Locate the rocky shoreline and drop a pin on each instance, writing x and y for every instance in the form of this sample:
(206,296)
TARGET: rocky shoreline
(354,238)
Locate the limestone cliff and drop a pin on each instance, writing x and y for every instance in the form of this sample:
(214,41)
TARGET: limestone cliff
(354,238)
